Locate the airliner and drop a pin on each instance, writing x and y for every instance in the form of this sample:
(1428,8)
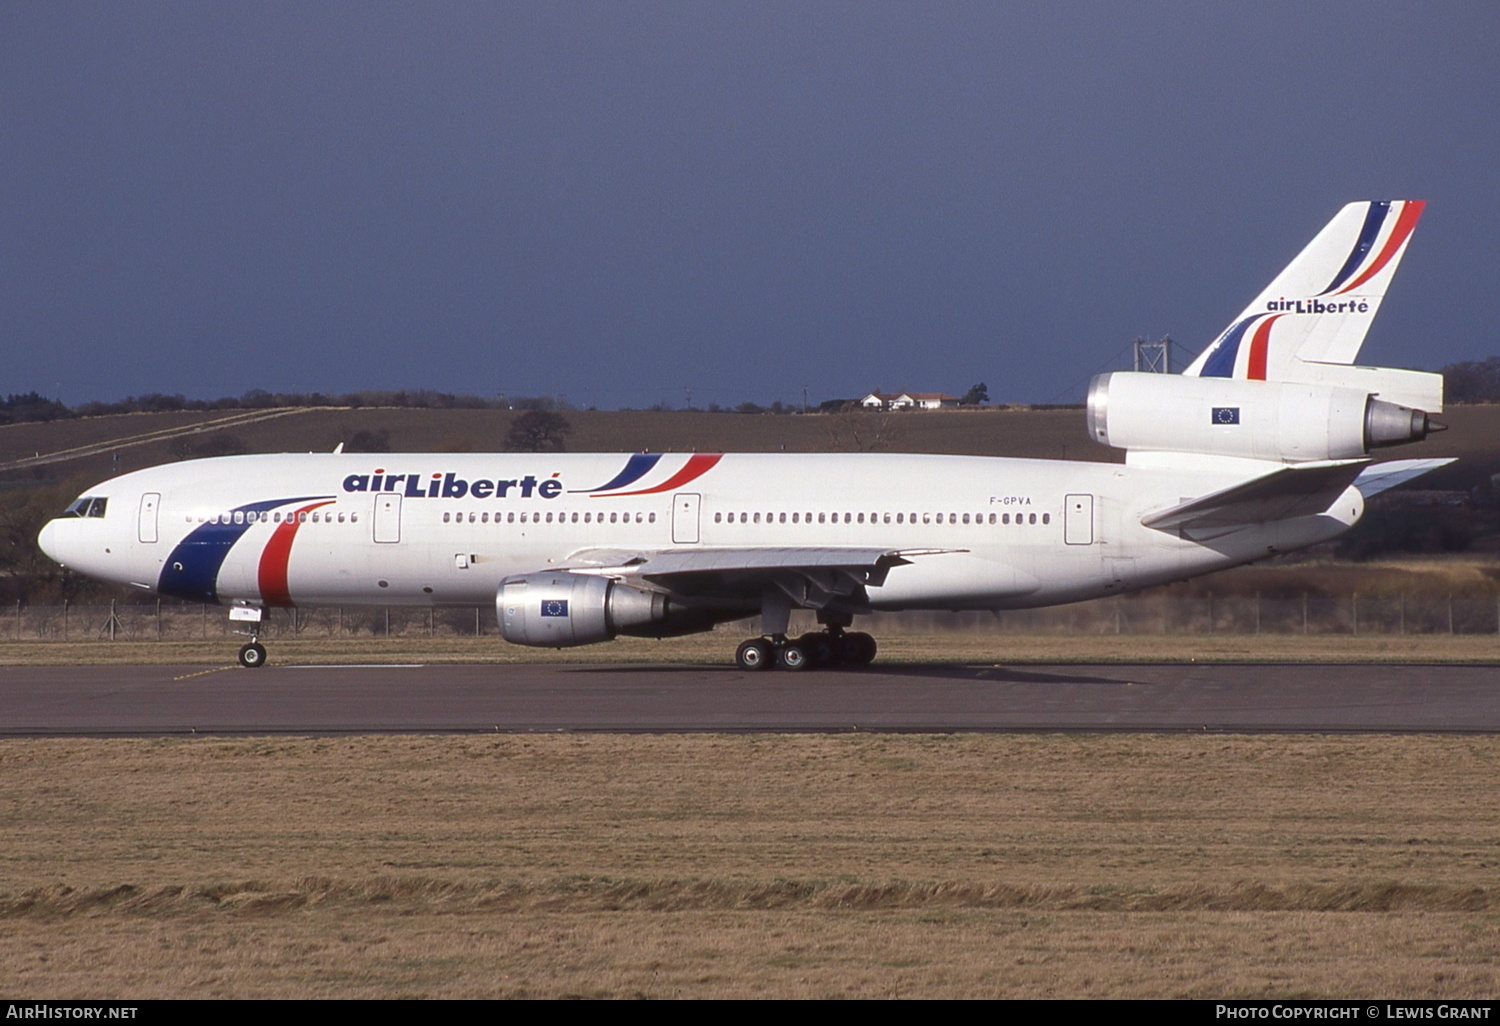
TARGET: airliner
(1261,446)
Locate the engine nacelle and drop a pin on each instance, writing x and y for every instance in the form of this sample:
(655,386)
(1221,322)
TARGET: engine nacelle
(1266,420)
(562,609)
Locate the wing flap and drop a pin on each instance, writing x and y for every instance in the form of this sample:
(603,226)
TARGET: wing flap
(666,562)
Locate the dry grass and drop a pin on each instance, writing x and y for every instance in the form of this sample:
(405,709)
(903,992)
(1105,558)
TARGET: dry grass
(718,647)
(738,866)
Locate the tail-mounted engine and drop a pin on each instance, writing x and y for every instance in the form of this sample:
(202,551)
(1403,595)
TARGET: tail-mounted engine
(1269,420)
(561,609)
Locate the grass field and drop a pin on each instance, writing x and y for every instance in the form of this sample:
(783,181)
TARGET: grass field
(718,647)
(708,866)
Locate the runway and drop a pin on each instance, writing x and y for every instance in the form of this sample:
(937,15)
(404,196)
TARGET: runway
(167,700)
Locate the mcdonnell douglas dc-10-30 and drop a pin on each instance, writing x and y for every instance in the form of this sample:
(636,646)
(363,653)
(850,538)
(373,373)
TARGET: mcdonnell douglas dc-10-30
(1261,446)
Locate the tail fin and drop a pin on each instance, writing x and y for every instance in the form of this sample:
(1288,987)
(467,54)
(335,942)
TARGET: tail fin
(1310,322)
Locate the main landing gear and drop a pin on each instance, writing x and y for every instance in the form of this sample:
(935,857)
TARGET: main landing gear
(832,647)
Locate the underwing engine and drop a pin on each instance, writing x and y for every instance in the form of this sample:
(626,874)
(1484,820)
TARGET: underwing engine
(562,609)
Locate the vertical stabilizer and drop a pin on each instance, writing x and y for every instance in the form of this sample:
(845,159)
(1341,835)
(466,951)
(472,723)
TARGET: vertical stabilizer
(1309,323)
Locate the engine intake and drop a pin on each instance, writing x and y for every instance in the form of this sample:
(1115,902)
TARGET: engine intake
(562,609)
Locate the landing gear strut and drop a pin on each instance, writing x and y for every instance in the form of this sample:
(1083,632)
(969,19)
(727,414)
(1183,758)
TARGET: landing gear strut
(253,654)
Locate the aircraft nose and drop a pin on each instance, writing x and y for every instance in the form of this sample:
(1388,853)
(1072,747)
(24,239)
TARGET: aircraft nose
(48,541)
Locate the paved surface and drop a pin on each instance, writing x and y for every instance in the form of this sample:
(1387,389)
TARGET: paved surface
(158,700)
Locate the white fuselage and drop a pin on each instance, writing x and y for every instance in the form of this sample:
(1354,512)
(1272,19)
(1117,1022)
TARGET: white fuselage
(436,529)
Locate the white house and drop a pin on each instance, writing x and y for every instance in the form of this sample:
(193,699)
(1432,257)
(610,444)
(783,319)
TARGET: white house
(908,401)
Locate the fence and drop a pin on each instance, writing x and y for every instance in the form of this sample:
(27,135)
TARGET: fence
(1151,612)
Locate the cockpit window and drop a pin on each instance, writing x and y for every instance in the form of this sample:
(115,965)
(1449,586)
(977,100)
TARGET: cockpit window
(86,506)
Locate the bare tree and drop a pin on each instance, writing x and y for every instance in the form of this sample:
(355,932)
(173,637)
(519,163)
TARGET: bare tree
(852,429)
(538,431)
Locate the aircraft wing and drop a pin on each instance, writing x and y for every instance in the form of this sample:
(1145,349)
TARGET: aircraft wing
(810,576)
(1292,491)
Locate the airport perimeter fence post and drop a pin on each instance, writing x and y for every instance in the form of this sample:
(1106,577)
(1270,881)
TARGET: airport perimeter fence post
(65,619)
(1210,612)
(1257,612)
(388,621)
(476,622)
(1354,611)
(18,619)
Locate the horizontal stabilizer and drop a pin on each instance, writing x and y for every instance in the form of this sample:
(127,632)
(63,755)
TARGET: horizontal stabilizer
(1294,491)
(1385,476)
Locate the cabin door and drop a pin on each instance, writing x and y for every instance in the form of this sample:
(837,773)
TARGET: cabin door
(685,507)
(1078,520)
(150,506)
(388,517)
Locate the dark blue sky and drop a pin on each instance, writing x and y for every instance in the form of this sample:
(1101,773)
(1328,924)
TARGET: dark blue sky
(620,201)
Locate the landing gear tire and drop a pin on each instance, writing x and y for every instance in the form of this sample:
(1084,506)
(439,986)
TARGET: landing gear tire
(755,655)
(253,656)
(819,648)
(792,656)
(859,649)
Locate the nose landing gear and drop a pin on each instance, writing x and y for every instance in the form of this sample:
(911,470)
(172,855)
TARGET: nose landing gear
(252,654)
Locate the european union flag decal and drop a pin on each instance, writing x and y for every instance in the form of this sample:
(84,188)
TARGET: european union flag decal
(555,607)
(1226,414)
